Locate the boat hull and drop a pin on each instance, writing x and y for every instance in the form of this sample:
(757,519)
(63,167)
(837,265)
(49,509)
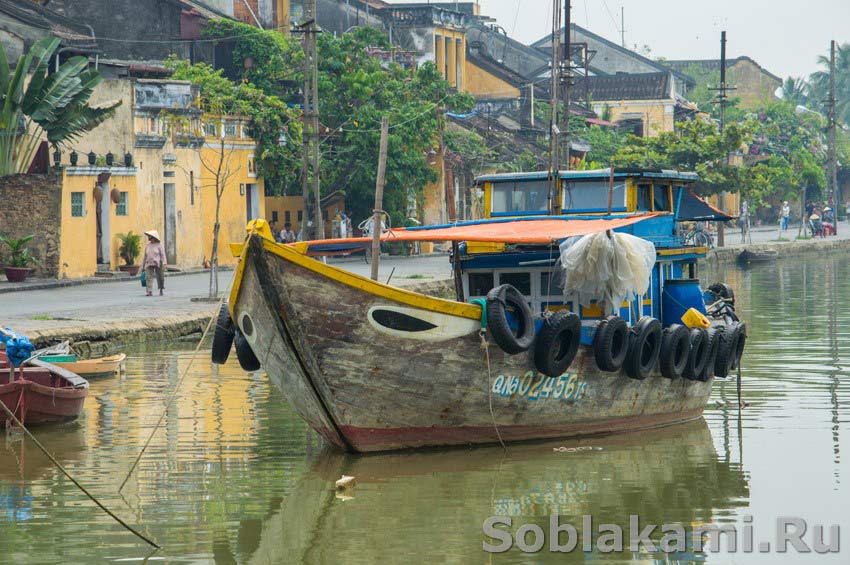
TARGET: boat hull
(103,367)
(366,387)
(41,398)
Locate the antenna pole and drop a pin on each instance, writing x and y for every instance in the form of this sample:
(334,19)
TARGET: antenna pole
(623,25)
(554,145)
(721,198)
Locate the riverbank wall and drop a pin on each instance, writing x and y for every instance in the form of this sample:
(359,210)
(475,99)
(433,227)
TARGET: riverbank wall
(784,249)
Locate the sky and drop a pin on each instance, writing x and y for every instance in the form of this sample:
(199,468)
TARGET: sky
(784,37)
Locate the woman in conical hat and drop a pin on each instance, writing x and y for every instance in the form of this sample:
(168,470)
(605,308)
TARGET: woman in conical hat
(154,262)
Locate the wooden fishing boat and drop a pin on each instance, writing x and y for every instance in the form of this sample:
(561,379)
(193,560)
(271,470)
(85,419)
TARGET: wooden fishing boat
(748,256)
(41,394)
(373,367)
(88,368)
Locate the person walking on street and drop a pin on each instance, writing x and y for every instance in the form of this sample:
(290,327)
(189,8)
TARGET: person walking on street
(153,262)
(786,213)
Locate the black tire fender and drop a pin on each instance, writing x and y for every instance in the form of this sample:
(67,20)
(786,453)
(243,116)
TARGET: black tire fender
(557,343)
(675,349)
(644,348)
(499,300)
(247,360)
(222,336)
(727,351)
(611,343)
(742,342)
(711,356)
(697,355)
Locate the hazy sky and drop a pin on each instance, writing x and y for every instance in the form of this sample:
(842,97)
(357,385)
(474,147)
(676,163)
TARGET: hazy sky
(783,36)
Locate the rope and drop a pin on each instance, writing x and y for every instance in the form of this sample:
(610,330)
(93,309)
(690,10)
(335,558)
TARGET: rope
(485,346)
(73,480)
(179,382)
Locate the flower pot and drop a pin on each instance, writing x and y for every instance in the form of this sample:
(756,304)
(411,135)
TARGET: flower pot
(74,158)
(110,158)
(92,158)
(17,274)
(133,270)
(128,159)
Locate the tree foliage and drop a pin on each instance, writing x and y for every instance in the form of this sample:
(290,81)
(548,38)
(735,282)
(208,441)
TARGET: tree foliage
(356,89)
(37,104)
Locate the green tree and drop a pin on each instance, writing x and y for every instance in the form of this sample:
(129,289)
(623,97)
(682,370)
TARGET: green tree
(795,91)
(35,104)
(819,82)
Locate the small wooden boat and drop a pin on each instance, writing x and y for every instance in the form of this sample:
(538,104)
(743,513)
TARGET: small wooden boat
(41,394)
(88,368)
(747,256)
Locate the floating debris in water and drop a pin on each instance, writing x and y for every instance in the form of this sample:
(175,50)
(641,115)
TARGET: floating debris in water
(575,449)
(345,483)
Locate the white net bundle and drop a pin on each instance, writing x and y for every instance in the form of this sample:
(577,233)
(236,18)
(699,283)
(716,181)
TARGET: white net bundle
(607,267)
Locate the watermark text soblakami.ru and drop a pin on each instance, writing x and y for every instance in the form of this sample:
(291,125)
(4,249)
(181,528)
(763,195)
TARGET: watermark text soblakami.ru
(789,534)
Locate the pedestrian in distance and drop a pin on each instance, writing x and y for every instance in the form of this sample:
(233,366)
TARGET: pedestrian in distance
(786,213)
(153,262)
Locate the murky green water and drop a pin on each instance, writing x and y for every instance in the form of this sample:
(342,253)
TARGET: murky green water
(234,476)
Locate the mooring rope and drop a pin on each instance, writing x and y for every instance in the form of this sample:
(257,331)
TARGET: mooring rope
(73,480)
(176,390)
(486,347)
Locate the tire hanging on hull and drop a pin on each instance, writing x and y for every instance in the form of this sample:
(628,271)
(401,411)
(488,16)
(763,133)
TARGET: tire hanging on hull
(499,301)
(644,348)
(611,343)
(557,343)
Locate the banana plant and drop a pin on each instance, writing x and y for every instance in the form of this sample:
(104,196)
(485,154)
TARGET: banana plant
(36,105)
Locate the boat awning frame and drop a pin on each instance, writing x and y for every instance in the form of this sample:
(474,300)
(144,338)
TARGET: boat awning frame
(539,230)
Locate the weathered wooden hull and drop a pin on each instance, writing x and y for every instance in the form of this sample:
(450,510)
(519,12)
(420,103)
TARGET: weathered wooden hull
(365,389)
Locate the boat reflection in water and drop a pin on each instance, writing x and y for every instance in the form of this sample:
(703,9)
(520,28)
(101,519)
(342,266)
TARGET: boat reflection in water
(407,504)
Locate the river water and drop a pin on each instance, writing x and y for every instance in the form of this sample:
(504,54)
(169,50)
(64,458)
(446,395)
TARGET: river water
(233,475)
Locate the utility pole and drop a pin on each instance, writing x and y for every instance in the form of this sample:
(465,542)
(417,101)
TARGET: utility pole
(566,80)
(310,157)
(722,99)
(832,162)
(554,145)
(623,25)
(377,213)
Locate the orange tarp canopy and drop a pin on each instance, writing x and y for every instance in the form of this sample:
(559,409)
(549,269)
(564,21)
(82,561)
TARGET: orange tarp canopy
(499,231)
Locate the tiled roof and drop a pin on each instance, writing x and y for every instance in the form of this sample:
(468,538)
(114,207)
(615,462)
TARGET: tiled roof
(646,86)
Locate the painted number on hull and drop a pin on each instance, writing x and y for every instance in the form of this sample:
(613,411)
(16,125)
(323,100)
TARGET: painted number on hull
(531,386)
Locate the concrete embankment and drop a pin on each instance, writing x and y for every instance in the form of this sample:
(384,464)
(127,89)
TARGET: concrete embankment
(784,248)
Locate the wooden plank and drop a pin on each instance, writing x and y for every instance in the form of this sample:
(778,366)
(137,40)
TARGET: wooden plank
(75,380)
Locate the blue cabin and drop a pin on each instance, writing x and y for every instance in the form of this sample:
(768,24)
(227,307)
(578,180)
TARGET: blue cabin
(535,269)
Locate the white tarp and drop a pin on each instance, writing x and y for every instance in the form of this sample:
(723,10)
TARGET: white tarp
(607,268)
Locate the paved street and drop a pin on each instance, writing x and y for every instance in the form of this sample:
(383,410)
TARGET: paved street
(125,299)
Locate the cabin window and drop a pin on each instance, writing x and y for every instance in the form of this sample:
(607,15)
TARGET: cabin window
(521,281)
(510,197)
(121,209)
(78,204)
(480,283)
(661,199)
(592,196)
(551,284)
(644,198)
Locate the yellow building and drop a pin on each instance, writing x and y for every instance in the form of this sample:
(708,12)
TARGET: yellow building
(161,178)
(647,102)
(282,210)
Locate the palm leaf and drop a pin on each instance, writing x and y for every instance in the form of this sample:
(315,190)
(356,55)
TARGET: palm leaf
(42,51)
(59,89)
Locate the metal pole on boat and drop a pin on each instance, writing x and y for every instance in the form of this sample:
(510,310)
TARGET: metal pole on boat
(379,197)
(611,189)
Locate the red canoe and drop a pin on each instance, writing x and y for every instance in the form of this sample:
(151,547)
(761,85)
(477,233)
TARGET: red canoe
(43,394)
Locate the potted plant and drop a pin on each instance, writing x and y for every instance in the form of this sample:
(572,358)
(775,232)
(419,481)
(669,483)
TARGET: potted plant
(131,246)
(19,258)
